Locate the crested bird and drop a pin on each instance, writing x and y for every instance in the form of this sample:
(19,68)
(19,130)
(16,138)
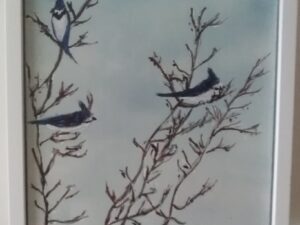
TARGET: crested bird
(70,120)
(206,91)
(61,26)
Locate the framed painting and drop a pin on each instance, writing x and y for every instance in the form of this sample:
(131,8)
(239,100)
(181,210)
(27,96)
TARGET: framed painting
(147,112)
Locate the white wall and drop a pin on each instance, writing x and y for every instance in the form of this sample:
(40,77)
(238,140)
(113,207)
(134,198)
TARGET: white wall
(3,137)
(295,195)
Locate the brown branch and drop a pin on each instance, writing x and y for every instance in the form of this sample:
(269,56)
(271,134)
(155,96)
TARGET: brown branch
(70,221)
(181,169)
(72,153)
(81,40)
(154,177)
(136,144)
(212,54)
(62,94)
(186,159)
(156,60)
(249,130)
(70,196)
(244,106)
(37,189)
(205,188)
(193,21)
(171,218)
(39,206)
(75,148)
(180,69)
(61,136)
(71,9)
(193,125)
(32,87)
(53,189)
(189,50)
(49,83)
(142,211)
(110,194)
(43,27)
(80,22)
(86,5)
(196,147)
(221,146)
(61,198)
(37,162)
(51,163)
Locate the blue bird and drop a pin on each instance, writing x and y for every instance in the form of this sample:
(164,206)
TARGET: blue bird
(206,91)
(61,26)
(70,120)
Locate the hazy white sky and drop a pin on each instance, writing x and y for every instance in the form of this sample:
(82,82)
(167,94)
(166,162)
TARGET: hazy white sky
(124,84)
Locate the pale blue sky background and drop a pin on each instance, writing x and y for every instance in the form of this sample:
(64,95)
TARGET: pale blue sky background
(124,84)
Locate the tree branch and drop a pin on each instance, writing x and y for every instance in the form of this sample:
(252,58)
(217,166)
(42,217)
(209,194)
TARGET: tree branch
(70,221)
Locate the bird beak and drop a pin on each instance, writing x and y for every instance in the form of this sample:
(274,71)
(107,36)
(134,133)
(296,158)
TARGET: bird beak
(94,118)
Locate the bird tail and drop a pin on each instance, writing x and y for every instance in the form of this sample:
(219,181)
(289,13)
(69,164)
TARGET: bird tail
(68,53)
(175,94)
(37,122)
(33,122)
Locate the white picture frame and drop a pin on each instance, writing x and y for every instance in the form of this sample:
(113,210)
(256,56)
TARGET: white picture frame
(12,182)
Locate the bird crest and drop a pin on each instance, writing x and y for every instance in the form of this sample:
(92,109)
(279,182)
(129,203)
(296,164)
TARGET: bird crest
(59,5)
(212,76)
(88,107)
(59,9)
(83,106)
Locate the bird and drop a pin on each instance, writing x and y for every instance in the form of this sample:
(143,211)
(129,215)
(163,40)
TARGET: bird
(206,91)
(61,26)
(70,120)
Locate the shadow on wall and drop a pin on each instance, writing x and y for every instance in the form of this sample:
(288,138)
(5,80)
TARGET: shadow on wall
(295,192)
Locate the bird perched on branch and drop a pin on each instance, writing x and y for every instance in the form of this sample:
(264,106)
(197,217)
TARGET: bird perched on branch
(206,91)
(70,120)
(61,26)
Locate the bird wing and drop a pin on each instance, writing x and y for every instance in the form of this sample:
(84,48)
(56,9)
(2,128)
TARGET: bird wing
(66,37)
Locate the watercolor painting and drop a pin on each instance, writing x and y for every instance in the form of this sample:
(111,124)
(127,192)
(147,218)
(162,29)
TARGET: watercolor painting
(149,112)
